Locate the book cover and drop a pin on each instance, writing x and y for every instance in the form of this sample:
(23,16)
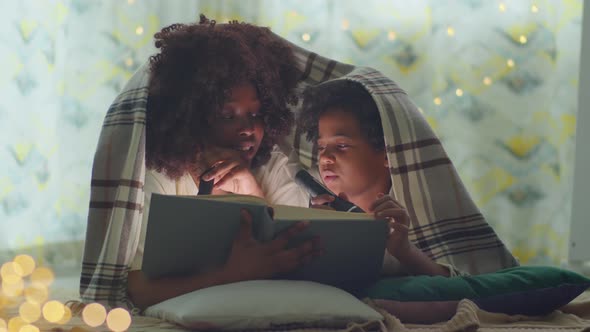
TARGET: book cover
(191,234)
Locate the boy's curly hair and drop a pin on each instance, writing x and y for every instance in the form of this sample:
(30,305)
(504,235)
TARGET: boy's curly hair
(191,78)
(348,96)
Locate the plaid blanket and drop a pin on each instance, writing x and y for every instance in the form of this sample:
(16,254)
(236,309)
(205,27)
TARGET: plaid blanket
(446,224)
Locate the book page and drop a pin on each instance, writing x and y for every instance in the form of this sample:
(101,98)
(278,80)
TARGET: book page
(285,212)
(246,199)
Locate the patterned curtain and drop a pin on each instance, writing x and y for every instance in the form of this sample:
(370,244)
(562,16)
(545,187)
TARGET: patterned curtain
(497,80)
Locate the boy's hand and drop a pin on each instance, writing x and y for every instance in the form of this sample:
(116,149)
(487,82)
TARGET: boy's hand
(385,207)
(250,259)
(322,201)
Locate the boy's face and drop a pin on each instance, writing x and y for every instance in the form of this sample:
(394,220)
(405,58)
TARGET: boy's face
(348,163)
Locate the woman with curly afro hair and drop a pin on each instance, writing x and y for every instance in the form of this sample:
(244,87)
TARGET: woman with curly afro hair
(217,106)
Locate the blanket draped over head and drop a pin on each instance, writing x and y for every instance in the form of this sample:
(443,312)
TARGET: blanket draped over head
(446,224)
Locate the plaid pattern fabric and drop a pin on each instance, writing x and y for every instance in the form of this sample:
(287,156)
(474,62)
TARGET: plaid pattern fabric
(446,224)
(116,197)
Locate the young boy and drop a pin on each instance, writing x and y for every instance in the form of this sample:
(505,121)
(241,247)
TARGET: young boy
(342,118)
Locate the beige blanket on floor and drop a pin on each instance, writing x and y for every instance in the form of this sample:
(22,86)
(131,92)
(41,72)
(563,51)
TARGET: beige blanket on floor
(470,318)
(574,317)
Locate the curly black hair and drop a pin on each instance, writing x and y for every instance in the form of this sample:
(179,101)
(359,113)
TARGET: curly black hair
(191,78)
(348,96)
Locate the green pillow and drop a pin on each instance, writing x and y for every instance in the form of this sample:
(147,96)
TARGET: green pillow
(527,290)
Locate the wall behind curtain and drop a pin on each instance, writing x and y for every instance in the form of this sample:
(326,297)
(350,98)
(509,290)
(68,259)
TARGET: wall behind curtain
(497,80)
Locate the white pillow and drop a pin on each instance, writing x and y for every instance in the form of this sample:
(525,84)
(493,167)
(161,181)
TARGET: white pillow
(263,304)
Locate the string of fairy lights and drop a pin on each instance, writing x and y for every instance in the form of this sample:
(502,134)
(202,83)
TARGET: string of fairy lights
(392,36)
(451,32)
(26,288)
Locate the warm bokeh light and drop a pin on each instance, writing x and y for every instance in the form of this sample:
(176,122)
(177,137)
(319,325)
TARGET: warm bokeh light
(27,264)
(450,31)
(29,328)
(32,306)
(459,92)
(523,39)
(306,37)
(510,63)
(13,288)
(94,314)
(66,317)
(487,80)
(345,24)
(15,323)
(5,302)
(128,62)
(534,8)
(36,293)
(139,30)
(118,320)
(502,7)
(53,311)
(437,101)
(29,312)
(11,269)
(391,35)
(42,275)
(11,279)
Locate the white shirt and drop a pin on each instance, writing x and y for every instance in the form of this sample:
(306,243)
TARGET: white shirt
(275,178)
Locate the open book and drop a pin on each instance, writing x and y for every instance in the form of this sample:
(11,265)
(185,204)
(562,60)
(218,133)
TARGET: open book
(192,234)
